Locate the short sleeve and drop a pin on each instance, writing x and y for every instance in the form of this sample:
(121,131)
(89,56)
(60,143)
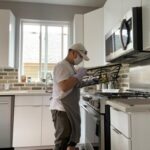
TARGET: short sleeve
(61,73)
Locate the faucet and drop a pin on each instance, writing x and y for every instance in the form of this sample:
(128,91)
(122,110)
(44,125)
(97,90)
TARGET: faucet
(48,78)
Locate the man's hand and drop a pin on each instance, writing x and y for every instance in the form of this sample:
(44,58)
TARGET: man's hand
(80,73)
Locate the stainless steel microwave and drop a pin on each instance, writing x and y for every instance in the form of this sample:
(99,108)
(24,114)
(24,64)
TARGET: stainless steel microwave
(125,40)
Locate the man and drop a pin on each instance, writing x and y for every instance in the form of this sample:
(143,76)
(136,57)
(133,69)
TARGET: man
(65,102)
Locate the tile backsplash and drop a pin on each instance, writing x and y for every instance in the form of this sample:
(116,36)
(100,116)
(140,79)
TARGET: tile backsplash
(9,80)
(124,77)
(9,77)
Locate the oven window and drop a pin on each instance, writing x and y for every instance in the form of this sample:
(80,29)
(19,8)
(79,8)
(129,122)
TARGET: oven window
(109,45)
(117,40)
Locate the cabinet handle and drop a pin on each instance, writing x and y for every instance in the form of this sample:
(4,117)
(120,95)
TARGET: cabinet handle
(4,103)
(117,131)
(116,109)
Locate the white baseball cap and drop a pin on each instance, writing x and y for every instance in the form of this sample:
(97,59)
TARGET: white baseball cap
(80,49)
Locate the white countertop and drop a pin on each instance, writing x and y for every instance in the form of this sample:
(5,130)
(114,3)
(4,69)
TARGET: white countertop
(24,92)
(130,105)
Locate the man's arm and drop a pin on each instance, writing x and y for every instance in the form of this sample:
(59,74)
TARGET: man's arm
(68,84)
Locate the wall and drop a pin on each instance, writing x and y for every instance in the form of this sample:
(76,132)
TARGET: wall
(42,12)
(9,80)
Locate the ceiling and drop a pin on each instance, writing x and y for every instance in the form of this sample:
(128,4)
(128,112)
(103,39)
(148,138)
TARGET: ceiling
(89,3)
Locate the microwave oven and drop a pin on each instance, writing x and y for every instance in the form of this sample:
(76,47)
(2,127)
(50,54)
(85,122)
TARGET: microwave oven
(124,43)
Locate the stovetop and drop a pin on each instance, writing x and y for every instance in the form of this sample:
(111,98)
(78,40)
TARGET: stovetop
(127,94)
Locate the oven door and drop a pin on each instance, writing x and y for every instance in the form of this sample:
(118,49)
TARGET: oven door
(92,131)
(123,38)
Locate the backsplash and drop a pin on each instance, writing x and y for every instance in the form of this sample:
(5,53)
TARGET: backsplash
(122,84)
(9,81)
(8,75)
(124,77)
(140,77)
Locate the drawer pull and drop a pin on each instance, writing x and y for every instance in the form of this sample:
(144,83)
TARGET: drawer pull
(116,109)
(117,131)
(4,103)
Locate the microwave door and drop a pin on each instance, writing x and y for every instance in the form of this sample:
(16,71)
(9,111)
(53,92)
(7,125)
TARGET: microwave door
(124,34)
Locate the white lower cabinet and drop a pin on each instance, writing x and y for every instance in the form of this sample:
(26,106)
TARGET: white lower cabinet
(119,141)
(130,130)
(27,126)
(33,124)
(47,124)
(5,121)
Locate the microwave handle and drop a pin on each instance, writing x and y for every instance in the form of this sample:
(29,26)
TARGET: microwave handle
(124,45)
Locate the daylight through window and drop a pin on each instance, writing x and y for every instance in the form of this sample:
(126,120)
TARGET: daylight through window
(43,45)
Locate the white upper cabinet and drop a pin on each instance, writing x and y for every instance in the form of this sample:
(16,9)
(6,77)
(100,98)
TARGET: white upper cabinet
(94,37)
(7,38)
(128,4)
(78,28)
(146,24)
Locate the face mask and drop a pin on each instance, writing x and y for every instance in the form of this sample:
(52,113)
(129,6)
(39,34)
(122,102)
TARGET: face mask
(77,60)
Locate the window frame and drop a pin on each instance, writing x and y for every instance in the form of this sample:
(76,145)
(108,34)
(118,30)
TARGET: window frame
(40,22)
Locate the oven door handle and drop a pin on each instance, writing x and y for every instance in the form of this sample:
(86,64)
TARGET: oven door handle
(85,107)
(124,23)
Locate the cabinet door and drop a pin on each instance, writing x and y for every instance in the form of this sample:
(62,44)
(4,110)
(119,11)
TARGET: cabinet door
(48,129)
(118,141)
(94,37)
(11,40)
(78,28)
(5,122)
(27,126)
(146,24)
(121,121)
(128,4)
(112,14)
(6,38)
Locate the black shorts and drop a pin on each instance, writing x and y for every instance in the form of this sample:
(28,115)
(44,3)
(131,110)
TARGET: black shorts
(62,130)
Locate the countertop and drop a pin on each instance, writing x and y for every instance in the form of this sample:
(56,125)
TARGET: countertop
(126,105)
(25,92)
(130,105)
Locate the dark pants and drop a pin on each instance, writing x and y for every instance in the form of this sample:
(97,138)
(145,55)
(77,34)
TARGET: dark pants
(62,129)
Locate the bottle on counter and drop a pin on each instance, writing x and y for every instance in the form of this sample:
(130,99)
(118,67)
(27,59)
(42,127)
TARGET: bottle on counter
(29,79)
(23,78)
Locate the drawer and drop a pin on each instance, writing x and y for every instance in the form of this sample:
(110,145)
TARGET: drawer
(121,121)
(119,141)
(28,100)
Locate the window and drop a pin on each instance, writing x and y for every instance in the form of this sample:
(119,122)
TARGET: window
(43,44)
